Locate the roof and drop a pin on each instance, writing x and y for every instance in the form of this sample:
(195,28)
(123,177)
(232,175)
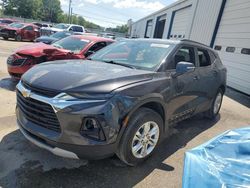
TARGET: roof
(156,40)
(93,38)
(169,41)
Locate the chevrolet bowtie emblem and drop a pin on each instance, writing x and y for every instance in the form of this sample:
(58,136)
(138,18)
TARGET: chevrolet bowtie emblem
(26,93)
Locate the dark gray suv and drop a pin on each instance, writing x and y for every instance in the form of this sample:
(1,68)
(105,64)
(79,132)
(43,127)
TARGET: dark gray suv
(120,101)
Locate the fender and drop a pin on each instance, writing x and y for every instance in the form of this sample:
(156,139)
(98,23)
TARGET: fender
(154,97)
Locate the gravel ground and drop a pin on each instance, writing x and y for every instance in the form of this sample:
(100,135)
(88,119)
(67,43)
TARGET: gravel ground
(25,165)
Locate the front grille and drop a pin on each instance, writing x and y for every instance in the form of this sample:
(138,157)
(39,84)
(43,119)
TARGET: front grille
(38,112)
(15,62)
(40,91)
(16,75)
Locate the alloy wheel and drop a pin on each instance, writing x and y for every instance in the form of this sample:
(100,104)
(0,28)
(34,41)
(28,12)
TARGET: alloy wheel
(217,103)
(145,139)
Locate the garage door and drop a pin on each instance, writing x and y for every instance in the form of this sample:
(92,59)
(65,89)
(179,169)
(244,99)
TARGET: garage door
(233,43)
(180,23)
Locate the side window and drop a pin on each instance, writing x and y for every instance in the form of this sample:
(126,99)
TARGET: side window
(212,56)
(204,58)
(76,29)
(184,54)
(72,28)
(28,28)
(95,48)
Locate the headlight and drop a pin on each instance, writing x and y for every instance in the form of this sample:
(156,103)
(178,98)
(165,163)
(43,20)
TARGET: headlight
(83,96)
(91,96)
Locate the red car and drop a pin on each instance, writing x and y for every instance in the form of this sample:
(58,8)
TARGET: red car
(20,31)
(6,21)
(72,47)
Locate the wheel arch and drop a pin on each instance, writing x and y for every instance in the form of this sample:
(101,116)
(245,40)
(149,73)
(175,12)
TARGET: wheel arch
(155,104)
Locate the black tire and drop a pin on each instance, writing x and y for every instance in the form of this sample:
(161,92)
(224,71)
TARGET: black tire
(211,114)
(140,117)
(5,38)
(18,38)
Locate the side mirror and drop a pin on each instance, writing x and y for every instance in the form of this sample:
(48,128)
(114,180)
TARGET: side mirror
(183,67)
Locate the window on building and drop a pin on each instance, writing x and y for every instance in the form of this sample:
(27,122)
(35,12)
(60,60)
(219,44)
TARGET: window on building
(218,48)
(230,49)
(149,28)
(245,51)
(204,58)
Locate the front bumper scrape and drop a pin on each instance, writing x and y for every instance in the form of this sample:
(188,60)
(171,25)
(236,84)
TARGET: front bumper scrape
(55,150)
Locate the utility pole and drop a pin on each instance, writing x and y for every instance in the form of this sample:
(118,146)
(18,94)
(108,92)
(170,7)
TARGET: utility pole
(69,14)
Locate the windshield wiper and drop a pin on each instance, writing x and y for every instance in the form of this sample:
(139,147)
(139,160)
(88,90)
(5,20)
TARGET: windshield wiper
(117,63)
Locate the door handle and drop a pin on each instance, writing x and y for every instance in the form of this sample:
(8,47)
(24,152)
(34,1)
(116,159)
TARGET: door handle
(196,78)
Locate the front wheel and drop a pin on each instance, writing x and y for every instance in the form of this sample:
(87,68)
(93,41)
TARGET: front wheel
(18,38)
(216,105)
(141,137)
(5,38)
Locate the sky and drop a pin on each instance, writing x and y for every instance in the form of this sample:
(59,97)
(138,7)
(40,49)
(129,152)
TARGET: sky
(110,13)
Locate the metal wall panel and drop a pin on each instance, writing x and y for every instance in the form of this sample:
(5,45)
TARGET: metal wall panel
(204,20)
(138,28)
(234,31)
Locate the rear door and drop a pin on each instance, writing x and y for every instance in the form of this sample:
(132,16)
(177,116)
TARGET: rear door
(208,74)
(184,88)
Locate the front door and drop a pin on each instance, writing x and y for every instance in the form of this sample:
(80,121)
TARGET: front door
(28,33)
(184,88)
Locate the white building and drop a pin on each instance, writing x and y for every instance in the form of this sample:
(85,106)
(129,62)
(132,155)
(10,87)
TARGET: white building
(221,24)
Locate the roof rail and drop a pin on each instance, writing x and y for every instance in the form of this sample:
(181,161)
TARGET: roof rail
(188,40)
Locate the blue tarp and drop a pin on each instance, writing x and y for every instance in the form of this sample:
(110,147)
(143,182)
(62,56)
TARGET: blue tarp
(221,162)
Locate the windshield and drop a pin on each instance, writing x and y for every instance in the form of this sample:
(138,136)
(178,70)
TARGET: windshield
(73,44)
(145,54)
(60,35)
(61,26)
(16,25)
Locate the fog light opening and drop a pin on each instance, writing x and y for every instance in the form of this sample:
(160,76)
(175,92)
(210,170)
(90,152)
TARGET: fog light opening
(92,129)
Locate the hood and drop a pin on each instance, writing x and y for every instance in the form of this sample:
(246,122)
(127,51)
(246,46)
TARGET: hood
(11,28)
(54,29)
(37,50)
(83,76)
(46,39)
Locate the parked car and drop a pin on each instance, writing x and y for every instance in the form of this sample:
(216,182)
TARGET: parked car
(62,27)
(55,37)
(108,35)
(40,25)
(72,47)
(122,100)
(5,21)
(20,31)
